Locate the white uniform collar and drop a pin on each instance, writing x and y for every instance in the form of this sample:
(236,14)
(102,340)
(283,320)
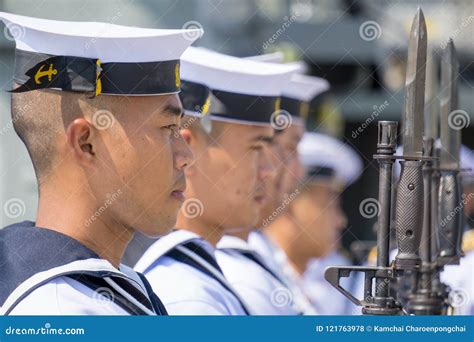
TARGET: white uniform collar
(229,241)
(162,246)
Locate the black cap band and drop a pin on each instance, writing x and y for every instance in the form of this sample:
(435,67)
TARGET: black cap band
(320,171)
(241,107)
(295,107)
(194,97)
(89,75)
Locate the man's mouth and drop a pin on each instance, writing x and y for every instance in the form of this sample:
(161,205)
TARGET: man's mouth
(260,199)
(178,194)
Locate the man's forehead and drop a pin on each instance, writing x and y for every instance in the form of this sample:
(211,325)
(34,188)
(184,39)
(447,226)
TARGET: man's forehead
(159,107)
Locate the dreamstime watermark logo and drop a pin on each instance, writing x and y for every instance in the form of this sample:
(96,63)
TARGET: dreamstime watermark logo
(103,296)
(458,119)
(375,113)
(47,329)
(192,208)
(280,120)
(103,119)
(192,28)
(13,31)
(458,297)
(465,23)
(14,208)
(458,209)
(108,202)
(282,29)
(370,30)
(369,208)
(288,199)
(281,296)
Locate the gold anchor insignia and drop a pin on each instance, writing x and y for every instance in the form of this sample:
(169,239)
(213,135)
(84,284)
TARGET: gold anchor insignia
(176,74)
(40,73)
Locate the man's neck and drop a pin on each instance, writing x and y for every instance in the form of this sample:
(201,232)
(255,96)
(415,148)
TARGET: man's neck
(242,234)
(209,232)
(277,233)
(100,233)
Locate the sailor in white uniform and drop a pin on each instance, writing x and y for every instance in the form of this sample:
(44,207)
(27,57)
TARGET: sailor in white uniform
(310,228)
(345,167)
(263,287)
(77,95)
(230,144)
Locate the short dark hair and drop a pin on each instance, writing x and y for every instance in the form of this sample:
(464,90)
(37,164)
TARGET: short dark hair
(38,118)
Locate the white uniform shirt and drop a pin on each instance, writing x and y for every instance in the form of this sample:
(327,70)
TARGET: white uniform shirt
(460,279)
(38,266)
(183,289)
(277,260)
(265,294)
(66,296)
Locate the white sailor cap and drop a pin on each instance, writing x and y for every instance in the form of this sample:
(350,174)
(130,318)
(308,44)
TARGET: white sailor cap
(327,158)
(242,90)
(278,57)
(301,90)
(102,58)
(298,94)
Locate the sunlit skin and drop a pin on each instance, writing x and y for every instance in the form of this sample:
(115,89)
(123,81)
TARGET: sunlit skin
(228,178)
(138,162)
(312,225)
(289,171)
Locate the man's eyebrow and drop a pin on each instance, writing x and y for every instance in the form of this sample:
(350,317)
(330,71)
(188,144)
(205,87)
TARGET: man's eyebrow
(172,110)
(264,138)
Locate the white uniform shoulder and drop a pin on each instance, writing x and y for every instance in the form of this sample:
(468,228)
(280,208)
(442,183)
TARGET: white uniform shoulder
(184,289)
(66,296)
(262,291)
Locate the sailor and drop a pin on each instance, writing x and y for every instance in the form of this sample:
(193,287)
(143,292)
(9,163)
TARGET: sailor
(263,287)
(224,185)
(195,99)
(97,110)
(311,226)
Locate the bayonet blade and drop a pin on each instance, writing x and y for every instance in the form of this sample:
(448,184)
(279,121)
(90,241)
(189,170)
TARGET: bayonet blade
(431,98)
(415,88)
(450,137)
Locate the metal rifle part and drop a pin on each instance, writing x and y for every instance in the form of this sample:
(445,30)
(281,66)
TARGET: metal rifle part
(427,296)
(431,296)
(409,206)
(410,201)
(382,302)
(450,207)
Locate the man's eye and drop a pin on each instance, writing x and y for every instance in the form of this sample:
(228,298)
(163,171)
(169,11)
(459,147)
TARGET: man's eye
(257,147)
(172,127)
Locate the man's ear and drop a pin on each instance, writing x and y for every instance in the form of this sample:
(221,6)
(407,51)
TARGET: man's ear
(80,134)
